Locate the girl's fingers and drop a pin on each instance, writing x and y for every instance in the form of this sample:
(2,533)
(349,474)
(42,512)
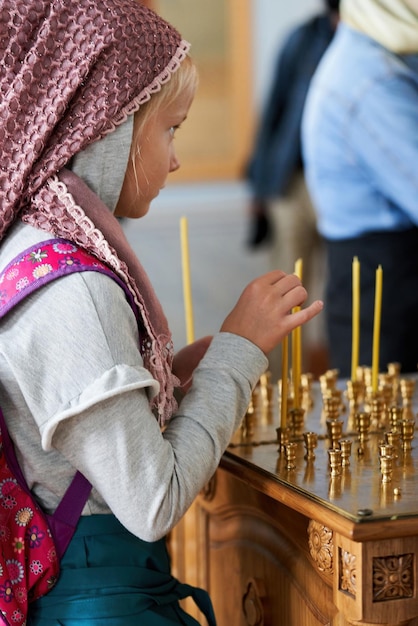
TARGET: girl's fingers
(304,315)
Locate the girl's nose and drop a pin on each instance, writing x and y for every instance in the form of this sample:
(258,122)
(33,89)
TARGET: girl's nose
(174,163)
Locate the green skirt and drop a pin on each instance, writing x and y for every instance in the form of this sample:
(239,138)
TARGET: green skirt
(109,577)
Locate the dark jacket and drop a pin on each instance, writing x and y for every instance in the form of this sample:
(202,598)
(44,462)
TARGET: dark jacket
(277,149)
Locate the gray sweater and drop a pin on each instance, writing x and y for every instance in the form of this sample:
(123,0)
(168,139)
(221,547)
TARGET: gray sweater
(75,395)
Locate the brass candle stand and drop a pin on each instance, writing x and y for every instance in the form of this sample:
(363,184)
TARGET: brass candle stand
(407,433)
(311,443)
(334,431)
(335,461)
(355,395)
(381,422)
(407,388)
(296,422)
(345,447)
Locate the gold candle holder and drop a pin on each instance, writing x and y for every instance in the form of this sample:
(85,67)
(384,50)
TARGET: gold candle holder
(394,370)
(311,443)
(306,381)
(252,402)
(377,408)
(264,385)
(367,377)
(345,447)
(296,421)
(363,422)
(407,433)
(355,394)
(335,431)
(407,388)
(328,381)
(386,449)
(282,438)
(386,468)
(395,418)
(335,461)
(331,407)
(387,384)
(290,454)
(393,439)
(247,426)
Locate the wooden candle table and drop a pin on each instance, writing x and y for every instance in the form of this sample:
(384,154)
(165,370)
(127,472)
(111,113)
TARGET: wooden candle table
(304,537)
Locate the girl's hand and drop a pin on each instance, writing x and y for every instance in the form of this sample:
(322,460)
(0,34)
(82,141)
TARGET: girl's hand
(186,360)
(263,312)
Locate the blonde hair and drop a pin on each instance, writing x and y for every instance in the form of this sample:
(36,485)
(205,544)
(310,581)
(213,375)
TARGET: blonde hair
(185,79)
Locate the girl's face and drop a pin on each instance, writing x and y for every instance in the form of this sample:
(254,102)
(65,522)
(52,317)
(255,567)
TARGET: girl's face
(152,158)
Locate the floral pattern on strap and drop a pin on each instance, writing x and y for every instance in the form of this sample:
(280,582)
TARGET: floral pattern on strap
(43,262)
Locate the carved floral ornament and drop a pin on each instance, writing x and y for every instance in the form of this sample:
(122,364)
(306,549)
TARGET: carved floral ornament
(347,572)
(321,546)
(393,575)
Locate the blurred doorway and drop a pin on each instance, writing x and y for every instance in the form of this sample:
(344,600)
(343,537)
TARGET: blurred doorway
(214,143)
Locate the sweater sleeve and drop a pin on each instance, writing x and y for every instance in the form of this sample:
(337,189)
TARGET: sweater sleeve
(149,478)
(94,415)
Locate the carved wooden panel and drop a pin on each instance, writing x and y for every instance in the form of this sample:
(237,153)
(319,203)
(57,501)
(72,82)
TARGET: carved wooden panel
(375,581)
(257,566)
(266,564)
(393,577)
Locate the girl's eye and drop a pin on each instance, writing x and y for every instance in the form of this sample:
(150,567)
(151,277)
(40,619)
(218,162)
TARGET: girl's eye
(173,130)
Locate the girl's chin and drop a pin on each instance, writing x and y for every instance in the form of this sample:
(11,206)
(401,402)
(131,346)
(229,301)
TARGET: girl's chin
(139,210)
(142,209)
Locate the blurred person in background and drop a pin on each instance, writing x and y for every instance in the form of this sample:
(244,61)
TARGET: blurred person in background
(281,211)
(360,143)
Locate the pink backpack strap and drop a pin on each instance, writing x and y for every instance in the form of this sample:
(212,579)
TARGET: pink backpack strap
(45,262)
(63,521)
(31,269)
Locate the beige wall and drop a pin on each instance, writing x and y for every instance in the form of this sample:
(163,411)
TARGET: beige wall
(234,43)
(214,142)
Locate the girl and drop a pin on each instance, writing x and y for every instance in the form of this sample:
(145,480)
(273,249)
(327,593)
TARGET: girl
(85,384)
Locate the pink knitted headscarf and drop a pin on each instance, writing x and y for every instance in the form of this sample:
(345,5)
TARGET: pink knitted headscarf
(70,73)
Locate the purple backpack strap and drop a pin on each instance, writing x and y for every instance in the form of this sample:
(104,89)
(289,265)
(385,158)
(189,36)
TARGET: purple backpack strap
(30,270)
(44,262)
(63,521)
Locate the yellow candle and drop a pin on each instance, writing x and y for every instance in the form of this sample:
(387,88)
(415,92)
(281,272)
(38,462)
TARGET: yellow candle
(376,327)
(297,347)
(285,365)
(187,289)
(355,350)
(299,268)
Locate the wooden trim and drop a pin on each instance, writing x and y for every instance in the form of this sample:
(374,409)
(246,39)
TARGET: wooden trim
(370,531)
